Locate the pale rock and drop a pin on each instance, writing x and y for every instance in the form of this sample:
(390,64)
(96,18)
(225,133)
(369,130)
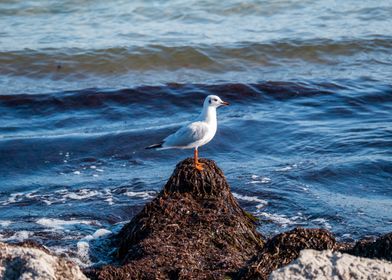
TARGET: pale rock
(325,265)
(31,263)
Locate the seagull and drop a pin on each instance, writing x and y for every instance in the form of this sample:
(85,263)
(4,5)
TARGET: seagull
(197,133)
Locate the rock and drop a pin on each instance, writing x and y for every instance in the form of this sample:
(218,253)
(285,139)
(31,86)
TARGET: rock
(194,229)
(333,265)
(31,261)
(380,248)
(284,248)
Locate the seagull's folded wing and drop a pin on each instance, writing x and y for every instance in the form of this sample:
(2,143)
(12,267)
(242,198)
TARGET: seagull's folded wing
(187,135)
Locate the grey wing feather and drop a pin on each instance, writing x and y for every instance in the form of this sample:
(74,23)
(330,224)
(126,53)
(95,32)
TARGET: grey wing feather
(186,135)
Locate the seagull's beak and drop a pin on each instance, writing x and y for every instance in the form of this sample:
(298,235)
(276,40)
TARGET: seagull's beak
(225,103)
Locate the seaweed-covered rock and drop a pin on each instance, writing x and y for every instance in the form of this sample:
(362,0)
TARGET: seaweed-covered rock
(381,248)
(32,261)
(284,248)
(193,229)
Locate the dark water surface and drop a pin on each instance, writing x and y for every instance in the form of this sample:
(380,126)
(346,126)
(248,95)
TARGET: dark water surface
(86,85)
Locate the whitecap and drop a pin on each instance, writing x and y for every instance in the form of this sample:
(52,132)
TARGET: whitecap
(259,180)
(62,224)
(13,198)
(142,194)
(286,168)
(261,202)
(322,222)
(81,194)
(282,220)
(18,236)
(5,223)
(83,252)
(99,233)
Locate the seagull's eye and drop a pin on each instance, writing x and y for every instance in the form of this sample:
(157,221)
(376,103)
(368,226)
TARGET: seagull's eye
(215,99)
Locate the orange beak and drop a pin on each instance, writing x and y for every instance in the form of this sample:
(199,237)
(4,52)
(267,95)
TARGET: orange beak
(225,103)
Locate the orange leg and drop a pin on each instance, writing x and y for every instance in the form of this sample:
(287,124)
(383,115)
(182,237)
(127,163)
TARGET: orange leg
(198,165)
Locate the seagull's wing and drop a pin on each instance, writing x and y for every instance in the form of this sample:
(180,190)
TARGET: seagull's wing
(186,135)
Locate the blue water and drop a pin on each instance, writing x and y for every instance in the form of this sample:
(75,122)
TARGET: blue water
(85,86)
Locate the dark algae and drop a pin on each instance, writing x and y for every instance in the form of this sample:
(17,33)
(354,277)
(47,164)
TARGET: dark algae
(284,248)
(381,248)
(195,229)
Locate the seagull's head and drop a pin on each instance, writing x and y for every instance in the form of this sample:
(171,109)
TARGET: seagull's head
(214,101)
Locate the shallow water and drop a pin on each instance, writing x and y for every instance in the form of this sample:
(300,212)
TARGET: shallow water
(85,86)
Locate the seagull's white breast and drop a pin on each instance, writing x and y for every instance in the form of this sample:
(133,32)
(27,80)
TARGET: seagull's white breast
(195,134)
(209,135)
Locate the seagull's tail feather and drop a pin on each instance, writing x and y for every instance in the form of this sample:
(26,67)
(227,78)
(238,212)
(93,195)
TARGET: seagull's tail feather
(155,146)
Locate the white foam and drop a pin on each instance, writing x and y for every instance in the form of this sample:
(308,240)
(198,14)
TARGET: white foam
(82,194)
(304,188)
(283,169)
(261,202)
(83,249)
(77,172)
(47,202)
(5,223)
(18,236)
(322,222)
(286,168)
(142,194)
(101,233)
(31,194)
(15,197)
(64,195)
(259,180)
(62,224)
(276,218)
(109,200)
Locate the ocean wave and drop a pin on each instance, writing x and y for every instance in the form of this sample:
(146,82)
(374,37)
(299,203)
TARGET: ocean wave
(260,203)
(177,95)
(77,63)
(57,224)
(65,196)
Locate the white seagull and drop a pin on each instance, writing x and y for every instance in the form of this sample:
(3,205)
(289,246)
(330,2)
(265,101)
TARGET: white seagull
(197,133)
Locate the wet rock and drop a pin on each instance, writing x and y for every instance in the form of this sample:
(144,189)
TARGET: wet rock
(284,248)
(194,229)
(380,248)
(332,265)
(30,261)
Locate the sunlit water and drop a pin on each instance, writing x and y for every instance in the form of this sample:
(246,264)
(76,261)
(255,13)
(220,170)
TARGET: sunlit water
(86,85)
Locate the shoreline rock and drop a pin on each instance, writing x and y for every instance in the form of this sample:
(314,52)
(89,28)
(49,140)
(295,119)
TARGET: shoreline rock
(195,229)
(31,261)
(380,248)
(313,264)
(284,248)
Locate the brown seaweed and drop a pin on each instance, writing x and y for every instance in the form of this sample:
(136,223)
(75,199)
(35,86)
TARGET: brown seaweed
(194,229)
